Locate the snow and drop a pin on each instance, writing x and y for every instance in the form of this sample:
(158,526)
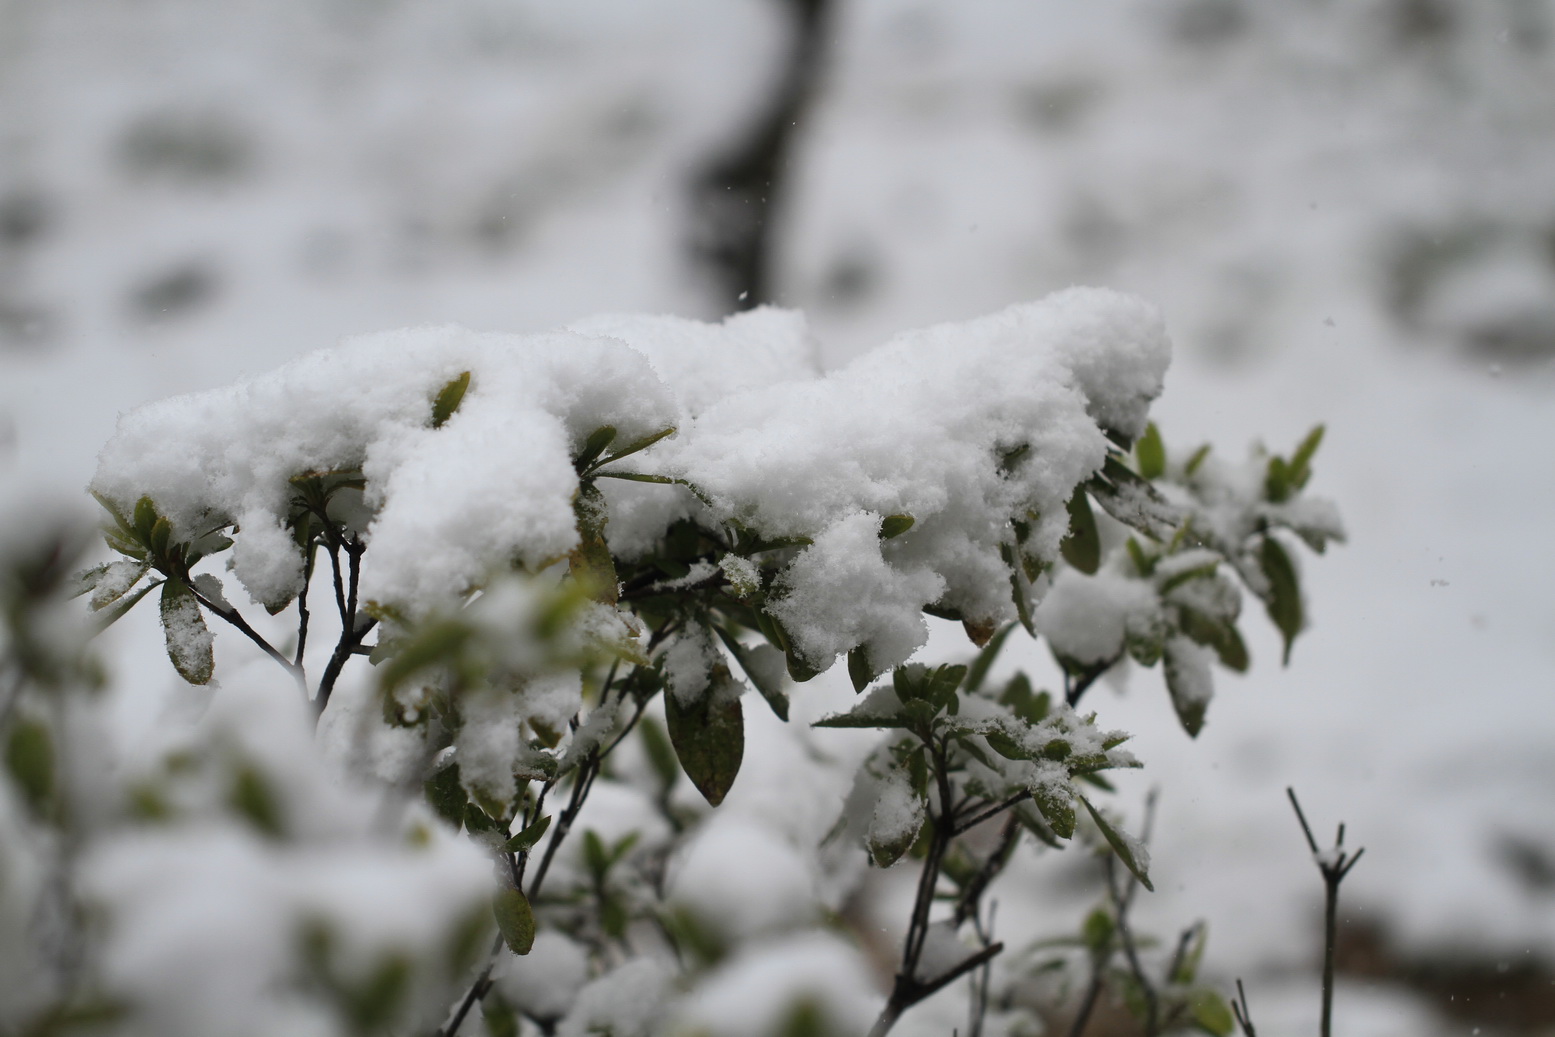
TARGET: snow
(545,982)
(1258,185)
(625,1002)
(752,995)
(1088,618)
(742,880)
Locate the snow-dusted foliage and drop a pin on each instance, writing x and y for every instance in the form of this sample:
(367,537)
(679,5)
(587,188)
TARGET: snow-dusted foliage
(549,547)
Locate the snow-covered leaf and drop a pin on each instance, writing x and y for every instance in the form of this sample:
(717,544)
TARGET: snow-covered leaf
(188,638)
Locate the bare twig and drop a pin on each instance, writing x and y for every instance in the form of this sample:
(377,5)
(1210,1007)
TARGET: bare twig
(1244,1018)
(232,616)
(962,827)
(1334,865)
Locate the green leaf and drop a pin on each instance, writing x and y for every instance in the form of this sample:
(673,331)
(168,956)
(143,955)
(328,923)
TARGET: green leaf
(593,446)
(1018,589)
(1144,564)
(445,792)
(114,614)
(1283,601)
(985,659)
(254,799)
(1130,852)
(895,526)
(1221,635)
(1097,929)
(29,757)
(663,480)
(448,399)
(1082,547)
(595,856)
(1196,460)
(1201,572)
(525,841)
(1187,699)
(500,1018)
(87,580)
(638,445)
(1300,469)
(515,920)
(859,670)
(709,739)
(661,755)
(145,519)
(1133,501)
(1056,807)
(1030,707)
(768,680)
(1276,481)
(161,537)
(1211,1013)
(590,563)
(1188,966)
(373,1004)
(1151,453)
(188,639)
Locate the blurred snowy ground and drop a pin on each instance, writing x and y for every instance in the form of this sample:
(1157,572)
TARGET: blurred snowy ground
(1346,209)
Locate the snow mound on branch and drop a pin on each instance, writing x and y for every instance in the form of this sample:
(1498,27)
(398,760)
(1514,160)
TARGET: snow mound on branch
(963,427)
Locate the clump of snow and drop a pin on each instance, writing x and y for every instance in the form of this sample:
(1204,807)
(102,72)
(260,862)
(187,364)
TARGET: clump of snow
(1088,618)
(545,982)
(841,592)
(1188,672)
(762,989)
(963,427)
(898,812)
(263,852)
(740,879)
(626,1002)
(707,363)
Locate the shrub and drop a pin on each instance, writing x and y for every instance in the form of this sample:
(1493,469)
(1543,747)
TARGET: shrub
(550,568)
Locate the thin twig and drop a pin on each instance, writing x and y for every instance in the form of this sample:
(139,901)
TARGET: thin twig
(998,808)
(1244,1018)
(302,606)
(1130,950)
(1334,866)
(236,619)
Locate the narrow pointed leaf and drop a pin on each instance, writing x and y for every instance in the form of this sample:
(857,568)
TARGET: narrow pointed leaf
(188,638)
(112,615)
(638,445)
(761,664)
(29,758)
(515,920)
(1129,850)
(595,445)
(709,739)
(985,659)
(526,840)
(1151,453)
(859,670)
(448,399)
(1210,1013)
(1301,461)
(1057,809)
(1284,596)
(1082,547)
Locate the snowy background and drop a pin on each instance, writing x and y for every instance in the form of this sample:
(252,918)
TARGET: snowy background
(1346,209)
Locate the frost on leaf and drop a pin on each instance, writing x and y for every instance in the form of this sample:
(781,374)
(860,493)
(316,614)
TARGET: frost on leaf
(188,638)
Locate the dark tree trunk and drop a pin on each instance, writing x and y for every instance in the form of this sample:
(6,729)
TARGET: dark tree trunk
(733,196)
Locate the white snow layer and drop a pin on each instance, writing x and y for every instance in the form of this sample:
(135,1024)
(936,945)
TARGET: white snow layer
(917,427)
